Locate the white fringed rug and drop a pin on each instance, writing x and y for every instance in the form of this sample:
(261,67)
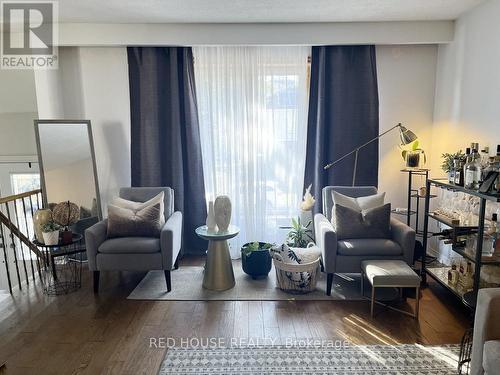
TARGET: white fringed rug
(350,360)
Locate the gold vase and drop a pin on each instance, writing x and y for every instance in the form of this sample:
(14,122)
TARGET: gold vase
(40,218)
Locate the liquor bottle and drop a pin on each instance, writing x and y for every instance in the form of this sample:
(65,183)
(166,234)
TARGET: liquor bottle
(490,236)
(458,172)
(466,161)
(489,167)
(485,157)
(496,234)
(472,175)
(453,275)
(496,187)
(452,172)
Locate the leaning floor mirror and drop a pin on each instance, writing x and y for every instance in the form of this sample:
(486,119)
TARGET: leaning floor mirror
(68,171)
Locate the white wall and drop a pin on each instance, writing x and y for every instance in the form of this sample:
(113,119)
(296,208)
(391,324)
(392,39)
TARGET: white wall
(467,105)
(18,109)
(17,134)
(17,91)
(92,83)
(59,92)
(406,82)
(107,105)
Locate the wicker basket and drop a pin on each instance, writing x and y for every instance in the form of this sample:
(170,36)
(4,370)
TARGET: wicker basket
(296,278)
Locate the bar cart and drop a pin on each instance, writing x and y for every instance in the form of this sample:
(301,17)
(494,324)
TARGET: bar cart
(439,274)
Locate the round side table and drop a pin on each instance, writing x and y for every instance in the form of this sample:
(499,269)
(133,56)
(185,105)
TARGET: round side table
(218,274)
(61,268)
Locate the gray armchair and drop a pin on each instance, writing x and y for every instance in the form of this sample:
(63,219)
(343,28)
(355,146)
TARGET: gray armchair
(137,253)
(486,338)
(345,256)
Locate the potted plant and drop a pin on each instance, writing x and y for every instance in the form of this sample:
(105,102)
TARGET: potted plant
(50,232)
(448,160)
(255,259)
(300,235)
(414,157)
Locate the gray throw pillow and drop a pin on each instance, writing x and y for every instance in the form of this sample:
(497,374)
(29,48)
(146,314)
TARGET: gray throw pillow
(371,223)
(124,222)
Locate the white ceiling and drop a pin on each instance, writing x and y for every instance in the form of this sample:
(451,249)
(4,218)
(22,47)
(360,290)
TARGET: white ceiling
(242,11)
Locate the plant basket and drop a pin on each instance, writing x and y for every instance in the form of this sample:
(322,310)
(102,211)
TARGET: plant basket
(296,278)
(51,238)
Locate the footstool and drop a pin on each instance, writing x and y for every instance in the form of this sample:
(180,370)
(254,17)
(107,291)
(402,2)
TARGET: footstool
(390,274)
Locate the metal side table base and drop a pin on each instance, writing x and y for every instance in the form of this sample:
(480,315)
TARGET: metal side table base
(218,274)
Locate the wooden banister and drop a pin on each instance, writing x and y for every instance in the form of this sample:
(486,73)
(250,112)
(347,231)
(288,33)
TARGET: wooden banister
(12,198)
(15,230)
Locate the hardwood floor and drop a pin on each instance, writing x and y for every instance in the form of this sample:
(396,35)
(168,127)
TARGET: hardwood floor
(83,333)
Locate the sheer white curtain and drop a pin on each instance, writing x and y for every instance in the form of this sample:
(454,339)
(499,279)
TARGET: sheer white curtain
(252,104)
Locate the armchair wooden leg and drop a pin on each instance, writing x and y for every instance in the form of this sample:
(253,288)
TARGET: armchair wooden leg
(168,280)
(176,264)
(329,282)
(96,281)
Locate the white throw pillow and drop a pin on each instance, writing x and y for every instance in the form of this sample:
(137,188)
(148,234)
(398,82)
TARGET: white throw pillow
(359,204)
(137,206)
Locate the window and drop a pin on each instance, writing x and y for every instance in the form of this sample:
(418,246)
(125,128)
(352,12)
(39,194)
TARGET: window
(21,183)
(252,104)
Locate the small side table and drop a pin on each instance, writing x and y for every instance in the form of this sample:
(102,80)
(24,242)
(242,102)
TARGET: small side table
(61,270)
(219,273)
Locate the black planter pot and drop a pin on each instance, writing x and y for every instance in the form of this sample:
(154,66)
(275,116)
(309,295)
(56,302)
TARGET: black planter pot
(257,263)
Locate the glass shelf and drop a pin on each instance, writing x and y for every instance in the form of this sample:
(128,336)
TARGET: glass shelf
(446,185)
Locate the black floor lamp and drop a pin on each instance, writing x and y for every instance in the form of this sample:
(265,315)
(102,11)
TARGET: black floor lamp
(406,136)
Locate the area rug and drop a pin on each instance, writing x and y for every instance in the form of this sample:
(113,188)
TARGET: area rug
(351,360)
(187,286)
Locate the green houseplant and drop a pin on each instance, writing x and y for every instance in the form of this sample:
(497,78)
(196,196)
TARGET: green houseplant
(256,259)
(415,156)
(448,158)
(50,232)
(299,235)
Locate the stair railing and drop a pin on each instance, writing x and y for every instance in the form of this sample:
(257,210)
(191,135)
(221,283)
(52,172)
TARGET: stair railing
(20,255)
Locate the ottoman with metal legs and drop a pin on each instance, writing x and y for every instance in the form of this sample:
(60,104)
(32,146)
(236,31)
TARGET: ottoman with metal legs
(390,274)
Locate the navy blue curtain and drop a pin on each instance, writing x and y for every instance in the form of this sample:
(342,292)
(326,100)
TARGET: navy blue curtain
(165,135)
(343,114)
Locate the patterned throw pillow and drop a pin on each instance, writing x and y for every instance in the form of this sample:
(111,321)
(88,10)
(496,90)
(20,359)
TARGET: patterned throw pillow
(295,255)
(123,222)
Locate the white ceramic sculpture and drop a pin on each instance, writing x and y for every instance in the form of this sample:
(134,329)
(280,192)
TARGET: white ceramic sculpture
(222,209)
(211,224)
